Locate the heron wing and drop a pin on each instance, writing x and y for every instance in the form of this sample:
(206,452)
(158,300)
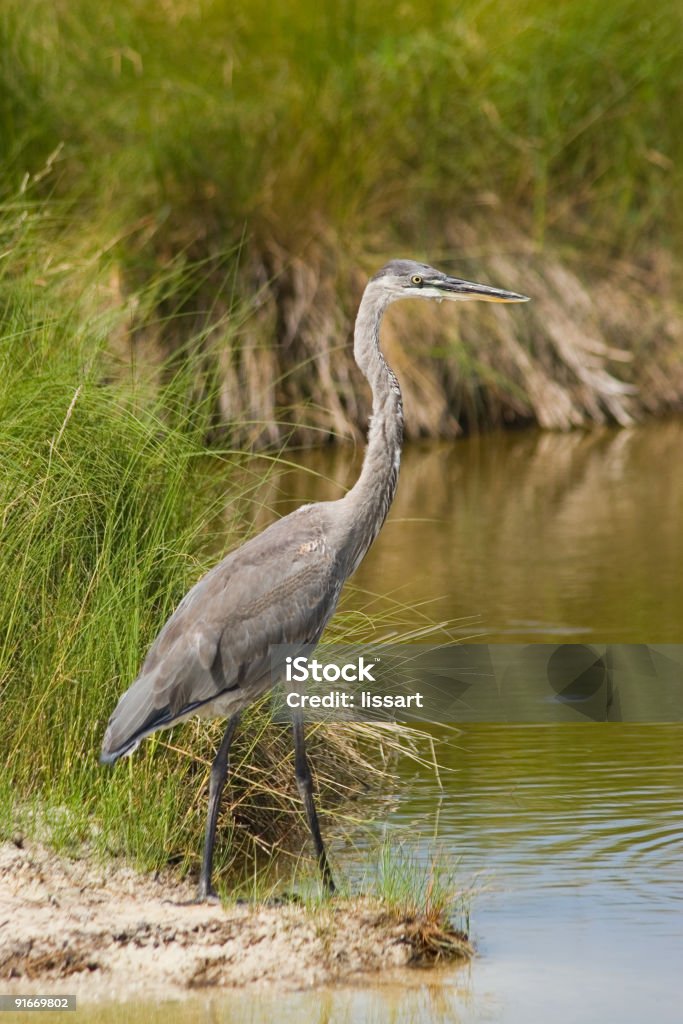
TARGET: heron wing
(279,588)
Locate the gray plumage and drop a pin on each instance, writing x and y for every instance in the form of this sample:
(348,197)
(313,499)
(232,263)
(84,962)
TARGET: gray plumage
(212,656)
(281,587)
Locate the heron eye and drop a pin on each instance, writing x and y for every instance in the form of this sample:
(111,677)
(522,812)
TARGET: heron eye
(416,279)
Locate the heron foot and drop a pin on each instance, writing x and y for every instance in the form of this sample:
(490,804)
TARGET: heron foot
(206,894)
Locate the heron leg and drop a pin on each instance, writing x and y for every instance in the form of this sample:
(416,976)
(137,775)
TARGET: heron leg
(219,773)
(305,786)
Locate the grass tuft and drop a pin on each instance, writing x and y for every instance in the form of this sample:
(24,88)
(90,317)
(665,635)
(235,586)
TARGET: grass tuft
(427,900)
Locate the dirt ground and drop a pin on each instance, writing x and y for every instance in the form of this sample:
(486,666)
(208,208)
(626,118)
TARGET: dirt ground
(110,933)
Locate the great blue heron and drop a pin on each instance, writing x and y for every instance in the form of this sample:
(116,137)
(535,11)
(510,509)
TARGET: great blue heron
(282,586)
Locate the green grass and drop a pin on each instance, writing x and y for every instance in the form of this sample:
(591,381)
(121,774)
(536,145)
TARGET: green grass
(104,506)
(289,117)
(426,897)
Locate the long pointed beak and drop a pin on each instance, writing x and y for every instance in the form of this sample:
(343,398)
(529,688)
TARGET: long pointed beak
(454,288)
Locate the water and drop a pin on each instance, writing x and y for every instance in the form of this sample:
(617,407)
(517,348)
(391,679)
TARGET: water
(526,536)
(571,836)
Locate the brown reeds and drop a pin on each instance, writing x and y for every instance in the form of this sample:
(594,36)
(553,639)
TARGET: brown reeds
(593,346)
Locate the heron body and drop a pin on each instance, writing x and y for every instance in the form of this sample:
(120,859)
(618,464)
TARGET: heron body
(212,657)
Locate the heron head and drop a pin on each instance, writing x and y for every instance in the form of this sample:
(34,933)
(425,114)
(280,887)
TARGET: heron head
(403,279)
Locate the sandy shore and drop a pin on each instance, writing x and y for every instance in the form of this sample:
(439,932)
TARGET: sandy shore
(103,933)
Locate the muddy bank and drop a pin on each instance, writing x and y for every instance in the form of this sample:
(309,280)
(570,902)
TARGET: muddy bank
(109,933)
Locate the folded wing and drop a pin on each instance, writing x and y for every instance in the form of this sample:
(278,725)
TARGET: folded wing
(279,588)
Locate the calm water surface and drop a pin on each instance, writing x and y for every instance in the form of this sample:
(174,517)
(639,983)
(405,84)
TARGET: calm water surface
(525,536)
(571,836)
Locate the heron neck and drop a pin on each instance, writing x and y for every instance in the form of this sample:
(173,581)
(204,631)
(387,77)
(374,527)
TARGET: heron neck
(370,498)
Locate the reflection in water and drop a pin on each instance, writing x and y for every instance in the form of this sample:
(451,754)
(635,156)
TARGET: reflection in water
(528,536)
(403,999)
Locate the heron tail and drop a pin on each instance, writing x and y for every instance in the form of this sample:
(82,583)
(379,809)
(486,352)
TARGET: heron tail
(134,717)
